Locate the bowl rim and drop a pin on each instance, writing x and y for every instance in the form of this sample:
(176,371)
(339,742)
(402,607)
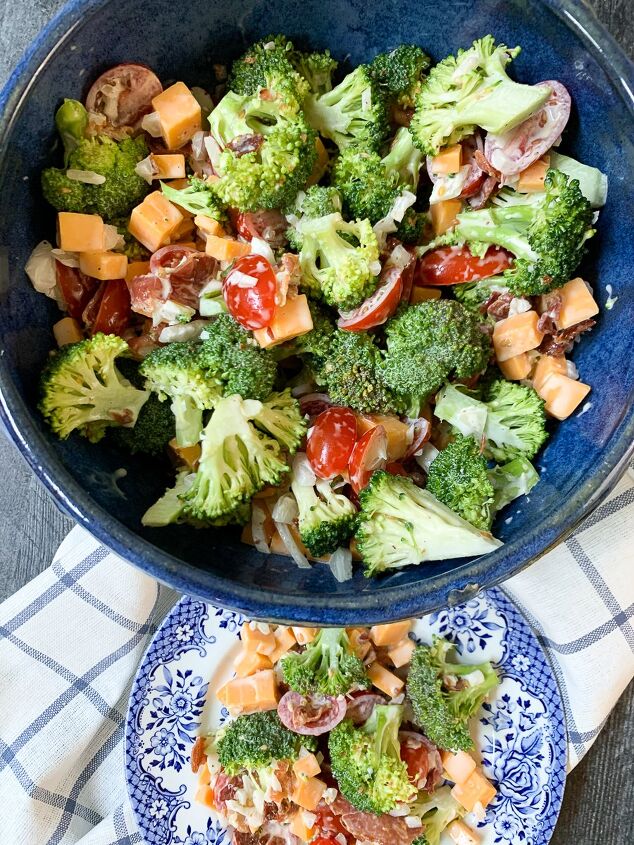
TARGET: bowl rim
(372,606)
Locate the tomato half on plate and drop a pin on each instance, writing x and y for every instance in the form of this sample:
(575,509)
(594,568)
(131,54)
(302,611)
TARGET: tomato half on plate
(249,290)
(395,285)
(368,455)
(113,315)
(331,441)
(455,265)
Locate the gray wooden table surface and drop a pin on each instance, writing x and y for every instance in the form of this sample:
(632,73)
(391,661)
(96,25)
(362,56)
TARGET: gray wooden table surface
(599,802)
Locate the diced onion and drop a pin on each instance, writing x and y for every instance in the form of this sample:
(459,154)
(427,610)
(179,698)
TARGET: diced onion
(258,518)
(399,810)
(89,177)
(330,795)
(366,99)
(301,389)
(151,124)
(340,838)
(375,268)
(571,370)
(146,169)
(401,204)
(285,509)
(399,257)
(260,247)
(340,564)
(40,268)
(382,228)
(309,819)
(302,471)
(171,312)
(291,546)
(213,288)
(198,145)
(182,331)
(213,149)
(519,305)
(68,259)
(426,457)
(412,822)
(111,237)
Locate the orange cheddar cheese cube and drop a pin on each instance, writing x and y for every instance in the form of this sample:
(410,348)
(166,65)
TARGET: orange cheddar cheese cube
(447,161)
(321,163)
(250,662)
(253,694)
(562,395)
(422,294)
(284,642)
(204,775)
(185,455)
(516,334)
(391,633)
(205,795)
(307,793)
(179,114)
(289,320)
(398,433)
(577,304)
(385,680)
(546,365)
(304,635)
(137,268)
(307,766)
(154,221)
(443,215)
(67,330)
(208,225)
(253,639)
(169,165)
(531,180)
(401,653)
(80,232)
(461,834)
(184,231)
(360,641)
(516,368)
(476,789)
(299,828)
(225,249)
(103,265)
(458,765)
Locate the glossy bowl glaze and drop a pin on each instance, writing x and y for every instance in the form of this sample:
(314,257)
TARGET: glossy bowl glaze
(582,458)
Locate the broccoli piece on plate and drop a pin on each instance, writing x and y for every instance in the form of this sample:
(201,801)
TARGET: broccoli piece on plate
(316,68)
(253,742)
(547,237)
(266,149)
(429,343)
(444,695)
(318,201)
(354,111)
(399,73)
(198,198)
(327,666)
(169,509)
(334,269)
(458,478)
(154,428)
(176,372)
(366,761)
(436,811)
(265,64)
(82,389)
(468,90)
(326,518)
(122,188)
(510,416)
(71,120)
(474,294)
(281,418)
(236,461)
(399,525)
(512,480)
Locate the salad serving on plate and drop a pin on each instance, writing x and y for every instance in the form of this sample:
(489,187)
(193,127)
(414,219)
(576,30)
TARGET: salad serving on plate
(342,304)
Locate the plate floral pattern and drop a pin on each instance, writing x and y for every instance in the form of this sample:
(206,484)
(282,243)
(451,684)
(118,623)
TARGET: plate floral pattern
(520,733)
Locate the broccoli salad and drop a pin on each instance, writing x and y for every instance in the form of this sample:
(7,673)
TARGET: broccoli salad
(345,736)
(340,302)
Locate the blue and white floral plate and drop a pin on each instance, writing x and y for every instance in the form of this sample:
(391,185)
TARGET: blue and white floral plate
(520,734)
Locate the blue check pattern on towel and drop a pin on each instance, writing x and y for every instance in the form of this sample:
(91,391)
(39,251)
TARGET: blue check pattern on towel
(71,640)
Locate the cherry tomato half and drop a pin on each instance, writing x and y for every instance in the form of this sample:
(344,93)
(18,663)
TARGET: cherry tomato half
(454,265)
(328,824)
(114,309)
(268,224)
(325,840)
(252,304)
(123,94)
(416,759)
(368,455)
(331,442)
(77,289)
(376,309)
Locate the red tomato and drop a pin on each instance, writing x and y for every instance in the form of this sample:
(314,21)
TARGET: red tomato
(368,455)
(396,468)
(268,224)
(454,265)
(331,442)
(124,94)
(328,824)
(325,840)
(77,289)
(114,309)
(377,308)
(252,307)
(416,760)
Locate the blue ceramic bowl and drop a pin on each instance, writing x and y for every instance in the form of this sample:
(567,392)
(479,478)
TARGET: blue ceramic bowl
(583,457)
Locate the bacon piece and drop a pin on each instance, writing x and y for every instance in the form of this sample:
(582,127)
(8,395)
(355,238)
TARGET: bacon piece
(480,199)
(497,305)
(224,789)
(561,342)
(198,754)
(366,827)
(429,764)
(361,706)
(486,165)
(243,144)
(311,715)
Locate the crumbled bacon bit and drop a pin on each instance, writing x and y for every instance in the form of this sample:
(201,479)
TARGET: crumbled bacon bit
(243,144)
(198,754)
(561,342)
(479,200)
(484,164)
(497,305)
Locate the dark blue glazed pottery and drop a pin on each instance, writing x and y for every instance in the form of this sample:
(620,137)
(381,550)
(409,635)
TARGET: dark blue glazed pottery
(560,40)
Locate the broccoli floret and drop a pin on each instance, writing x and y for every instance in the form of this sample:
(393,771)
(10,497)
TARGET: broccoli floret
(169,509)
(326,518)
(334,269)
(468,90)
(281,418)
(71,120)
(198,198)
(116,161)
(436,811)
(268,149)
(369,184)
(316,343)
(399,524)
(154,428)
(176,372)
(328,665)
(355,111)
(510,416)
(236,461)
(268,63)
(400,73)
(318,201)
(511,480)
(474,294)
(316,68)
(366,761)
(548,237)
(444,695)
(232,357)
(255,741)
(352,375)
(458,478)
(410,229)
(429,343)
(82,389)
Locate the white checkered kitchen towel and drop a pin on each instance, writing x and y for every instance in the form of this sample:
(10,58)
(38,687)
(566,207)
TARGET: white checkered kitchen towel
(70,642)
